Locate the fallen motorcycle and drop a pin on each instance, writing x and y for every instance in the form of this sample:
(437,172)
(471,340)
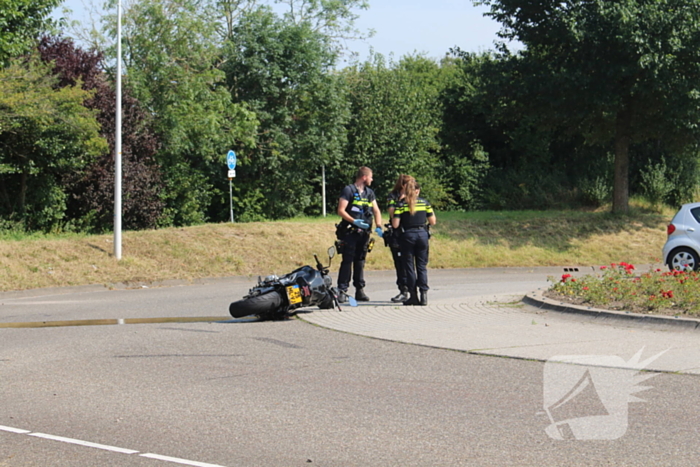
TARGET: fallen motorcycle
(277,298)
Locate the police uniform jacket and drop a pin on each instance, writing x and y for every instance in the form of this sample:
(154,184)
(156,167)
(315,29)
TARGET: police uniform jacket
(418,219)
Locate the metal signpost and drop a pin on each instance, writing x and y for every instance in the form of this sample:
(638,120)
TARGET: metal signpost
(231,161)
(323,188)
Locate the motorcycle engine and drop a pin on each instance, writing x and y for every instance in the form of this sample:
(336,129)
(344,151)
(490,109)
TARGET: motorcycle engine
(272,278)
(328,281)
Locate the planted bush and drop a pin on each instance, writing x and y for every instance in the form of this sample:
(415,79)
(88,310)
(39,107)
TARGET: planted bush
(620,287)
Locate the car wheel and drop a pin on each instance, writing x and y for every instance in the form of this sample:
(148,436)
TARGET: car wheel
(683,259)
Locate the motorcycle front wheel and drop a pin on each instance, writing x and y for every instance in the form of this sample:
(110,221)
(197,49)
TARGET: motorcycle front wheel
(327,303)
(262,305)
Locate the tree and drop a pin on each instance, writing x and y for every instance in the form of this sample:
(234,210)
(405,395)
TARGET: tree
(395,123)
(45,134)
(616,73)
(21,24)
(172,58)
(497,155)
(91,200)
(281,70)
(230,12)
(333,19)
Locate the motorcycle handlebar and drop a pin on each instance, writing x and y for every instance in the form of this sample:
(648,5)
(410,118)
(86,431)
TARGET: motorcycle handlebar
(324,270)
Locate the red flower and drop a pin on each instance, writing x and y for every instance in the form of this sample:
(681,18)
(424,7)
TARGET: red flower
(564,277)
(627,267)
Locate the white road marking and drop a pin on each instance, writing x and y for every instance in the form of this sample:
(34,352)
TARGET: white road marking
(14,430)
(105,447)
(84,443)
(179,461)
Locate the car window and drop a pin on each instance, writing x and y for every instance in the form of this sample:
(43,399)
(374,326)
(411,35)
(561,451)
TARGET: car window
(696,214)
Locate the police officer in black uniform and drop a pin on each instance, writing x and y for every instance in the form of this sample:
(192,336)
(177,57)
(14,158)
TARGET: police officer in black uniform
(391,239)
(410,218)
(357,207)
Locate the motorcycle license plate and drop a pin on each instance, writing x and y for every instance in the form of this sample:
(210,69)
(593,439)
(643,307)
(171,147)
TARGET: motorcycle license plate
(294,294)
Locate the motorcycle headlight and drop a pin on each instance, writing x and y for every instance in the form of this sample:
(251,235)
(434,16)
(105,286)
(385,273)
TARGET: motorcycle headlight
(328,281)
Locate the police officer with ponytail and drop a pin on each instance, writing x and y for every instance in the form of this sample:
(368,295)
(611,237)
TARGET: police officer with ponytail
(391,239)
(412,218)
(358,208)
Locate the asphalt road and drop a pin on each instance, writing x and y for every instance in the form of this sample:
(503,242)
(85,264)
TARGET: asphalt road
(243,393)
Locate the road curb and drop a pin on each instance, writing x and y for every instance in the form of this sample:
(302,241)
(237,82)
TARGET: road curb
(538,300)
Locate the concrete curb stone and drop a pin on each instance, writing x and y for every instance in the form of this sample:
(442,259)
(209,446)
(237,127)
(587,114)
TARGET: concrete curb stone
(538,300)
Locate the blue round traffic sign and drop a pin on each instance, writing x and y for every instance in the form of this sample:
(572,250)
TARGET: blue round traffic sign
(231,160)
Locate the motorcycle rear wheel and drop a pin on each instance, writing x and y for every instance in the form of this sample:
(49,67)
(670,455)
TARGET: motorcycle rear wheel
(262,305)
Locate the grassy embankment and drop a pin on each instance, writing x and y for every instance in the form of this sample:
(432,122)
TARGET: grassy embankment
(460,240)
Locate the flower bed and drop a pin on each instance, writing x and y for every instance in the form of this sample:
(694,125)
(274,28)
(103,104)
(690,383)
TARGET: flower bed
(619,287)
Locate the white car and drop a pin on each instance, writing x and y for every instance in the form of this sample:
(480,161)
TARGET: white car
(682,248)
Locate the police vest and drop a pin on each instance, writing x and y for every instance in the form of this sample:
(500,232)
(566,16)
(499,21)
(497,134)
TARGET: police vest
(361,206)
(392,200)
(423,210)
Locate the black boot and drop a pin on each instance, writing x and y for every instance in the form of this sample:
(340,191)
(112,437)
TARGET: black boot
(413,300)
(342,297)
(402,296)
(361,296)
(423,297)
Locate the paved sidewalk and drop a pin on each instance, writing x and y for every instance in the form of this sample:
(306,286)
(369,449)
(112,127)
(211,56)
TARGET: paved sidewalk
(504,325)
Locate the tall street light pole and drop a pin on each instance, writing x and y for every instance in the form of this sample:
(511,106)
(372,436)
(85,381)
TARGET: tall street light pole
(118,143)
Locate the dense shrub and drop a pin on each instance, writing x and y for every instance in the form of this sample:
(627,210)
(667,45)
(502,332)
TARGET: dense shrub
(90,200)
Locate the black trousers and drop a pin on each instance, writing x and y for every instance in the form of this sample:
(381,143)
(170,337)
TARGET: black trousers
(414,257)
(353,264)
(400,274)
